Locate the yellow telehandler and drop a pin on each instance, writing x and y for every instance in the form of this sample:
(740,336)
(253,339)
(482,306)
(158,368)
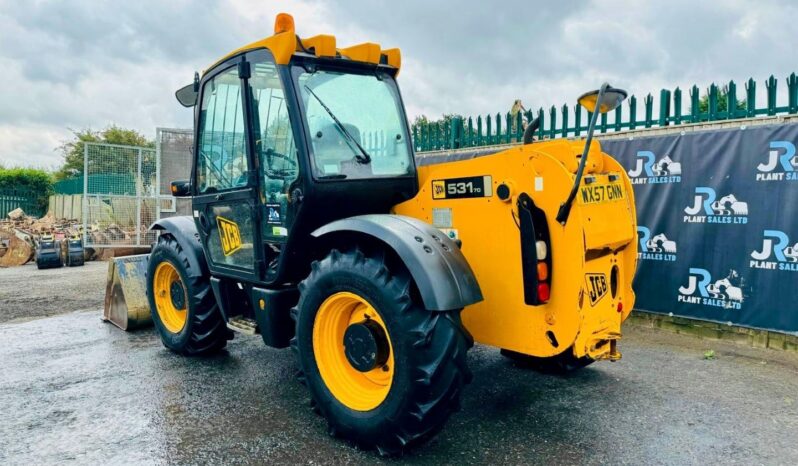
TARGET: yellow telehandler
(314,227)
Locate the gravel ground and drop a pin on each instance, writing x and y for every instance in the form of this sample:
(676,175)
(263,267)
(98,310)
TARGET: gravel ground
(76,390)
(27,292)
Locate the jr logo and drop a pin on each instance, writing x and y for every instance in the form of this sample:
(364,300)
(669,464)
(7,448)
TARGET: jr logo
(698,281)
(782,163)
(706,209)
(722,293)
(650,171)
(775,244)
(658,247)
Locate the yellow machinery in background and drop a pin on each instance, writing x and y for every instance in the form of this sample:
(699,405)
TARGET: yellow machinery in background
(314,227)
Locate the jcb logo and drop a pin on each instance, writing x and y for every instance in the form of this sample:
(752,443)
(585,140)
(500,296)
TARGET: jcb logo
(438,189)
(596,286)
(229,234)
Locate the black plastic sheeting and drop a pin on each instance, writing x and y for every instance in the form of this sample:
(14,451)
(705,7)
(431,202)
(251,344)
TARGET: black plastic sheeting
(717,219)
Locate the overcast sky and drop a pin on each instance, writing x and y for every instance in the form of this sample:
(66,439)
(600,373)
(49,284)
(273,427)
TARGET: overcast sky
(89,63)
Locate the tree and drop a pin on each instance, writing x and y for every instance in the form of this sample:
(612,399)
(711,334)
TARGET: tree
(37,182)
(723,102)
(73,149)
(422,120)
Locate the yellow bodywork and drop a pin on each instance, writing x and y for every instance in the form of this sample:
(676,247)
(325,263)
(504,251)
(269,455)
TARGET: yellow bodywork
(597,236)
(600,233)
(285,43)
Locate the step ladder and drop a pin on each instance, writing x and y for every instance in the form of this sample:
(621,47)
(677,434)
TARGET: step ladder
(243,325)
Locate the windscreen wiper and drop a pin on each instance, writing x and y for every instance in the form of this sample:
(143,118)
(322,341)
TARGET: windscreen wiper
(364,156)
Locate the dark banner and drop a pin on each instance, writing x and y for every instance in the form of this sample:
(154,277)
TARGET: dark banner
(717,224)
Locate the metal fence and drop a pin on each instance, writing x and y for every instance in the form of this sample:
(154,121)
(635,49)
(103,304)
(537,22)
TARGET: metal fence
(173,151)
(26,199)
(120,200)
(721,104)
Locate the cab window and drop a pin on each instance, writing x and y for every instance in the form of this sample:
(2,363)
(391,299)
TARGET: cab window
(222,160)
(274,147)
(357,127)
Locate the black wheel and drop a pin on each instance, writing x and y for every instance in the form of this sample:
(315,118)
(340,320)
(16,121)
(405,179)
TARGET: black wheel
(384,371)
(563,363)
(183,307)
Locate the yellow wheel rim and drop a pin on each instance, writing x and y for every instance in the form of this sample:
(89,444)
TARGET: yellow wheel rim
(360,391)
(170,297)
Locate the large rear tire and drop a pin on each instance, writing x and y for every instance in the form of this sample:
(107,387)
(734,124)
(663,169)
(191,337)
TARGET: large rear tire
(561,364)
(403,387)
(183,307)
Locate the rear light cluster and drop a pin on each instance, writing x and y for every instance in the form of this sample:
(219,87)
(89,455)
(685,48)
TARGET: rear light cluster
(535,251)
(544,292)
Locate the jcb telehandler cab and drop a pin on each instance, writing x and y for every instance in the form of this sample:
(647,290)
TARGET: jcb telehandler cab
(313,226)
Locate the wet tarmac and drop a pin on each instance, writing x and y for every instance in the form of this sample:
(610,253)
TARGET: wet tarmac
(76,390)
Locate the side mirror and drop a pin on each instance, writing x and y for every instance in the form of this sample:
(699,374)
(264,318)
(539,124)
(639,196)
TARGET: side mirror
(181,188)
(611,99)
(187,95)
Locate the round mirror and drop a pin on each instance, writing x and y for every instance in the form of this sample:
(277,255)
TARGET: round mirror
(611,99)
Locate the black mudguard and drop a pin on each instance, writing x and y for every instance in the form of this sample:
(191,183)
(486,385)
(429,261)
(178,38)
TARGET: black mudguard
(438,267)
(185,232)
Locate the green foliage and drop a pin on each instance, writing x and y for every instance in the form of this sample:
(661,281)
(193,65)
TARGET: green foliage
(422,120)
(73,149)
(19,180)
(723,102)
(709,354)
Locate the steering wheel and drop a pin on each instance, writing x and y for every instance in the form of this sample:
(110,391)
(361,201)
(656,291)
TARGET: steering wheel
(271,153)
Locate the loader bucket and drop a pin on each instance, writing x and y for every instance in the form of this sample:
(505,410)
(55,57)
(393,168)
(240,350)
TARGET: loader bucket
(19,252)
(48,253)
(126,303)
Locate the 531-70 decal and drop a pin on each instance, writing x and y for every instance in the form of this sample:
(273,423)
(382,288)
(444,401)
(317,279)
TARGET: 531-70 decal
(459,188)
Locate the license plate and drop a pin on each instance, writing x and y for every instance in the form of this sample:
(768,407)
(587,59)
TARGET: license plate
(596,193)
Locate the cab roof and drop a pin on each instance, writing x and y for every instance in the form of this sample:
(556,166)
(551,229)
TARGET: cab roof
(285,43)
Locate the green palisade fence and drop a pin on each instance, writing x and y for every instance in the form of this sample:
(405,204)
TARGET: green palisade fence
(567,121)
(27,199)
(111,183)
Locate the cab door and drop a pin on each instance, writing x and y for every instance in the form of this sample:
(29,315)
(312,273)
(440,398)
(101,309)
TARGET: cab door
(277,157)
(225,199)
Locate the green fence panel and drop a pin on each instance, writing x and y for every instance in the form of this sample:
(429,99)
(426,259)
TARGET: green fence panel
(69,186)
(26,199)
(112,183)
(721,103)
(770,84)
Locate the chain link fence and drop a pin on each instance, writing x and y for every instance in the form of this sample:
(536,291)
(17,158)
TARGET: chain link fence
(173,151)
(127,188)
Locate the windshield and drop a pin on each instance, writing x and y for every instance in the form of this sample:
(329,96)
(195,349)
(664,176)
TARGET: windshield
(356,125)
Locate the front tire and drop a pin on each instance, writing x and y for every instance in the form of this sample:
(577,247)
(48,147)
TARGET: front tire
(183,307)
(399,391)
